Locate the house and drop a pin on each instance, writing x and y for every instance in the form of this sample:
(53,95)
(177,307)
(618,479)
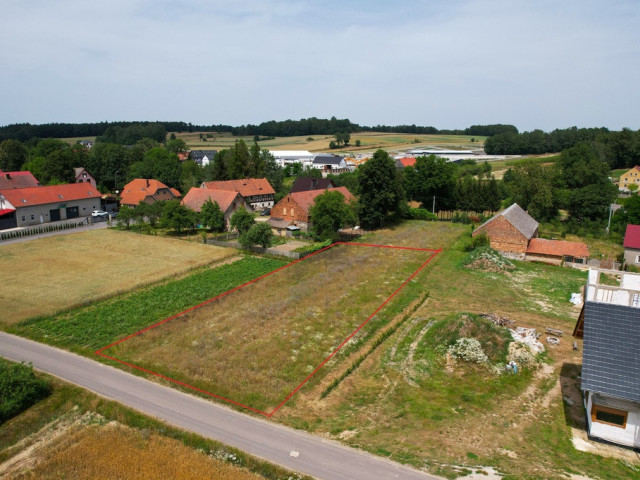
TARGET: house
(228,201)
(36,205)
(147,191)
(86,143)
(82,176)
(293,210)
(257,192)
(632,245)
(289,157)
(405,162)
(203,157)
(556,252)
(304,184)
(632,177)
(510,231)
(330,164)
(10,180)
(610,378)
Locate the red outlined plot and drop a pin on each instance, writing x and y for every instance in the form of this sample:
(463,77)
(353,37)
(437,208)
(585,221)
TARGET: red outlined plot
(101,351)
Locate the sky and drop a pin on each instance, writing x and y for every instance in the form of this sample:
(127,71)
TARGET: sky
(444,63)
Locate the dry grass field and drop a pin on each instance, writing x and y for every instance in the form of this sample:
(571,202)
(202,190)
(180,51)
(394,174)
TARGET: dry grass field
(113,451)
(51,274)
(257,344)
(370,141)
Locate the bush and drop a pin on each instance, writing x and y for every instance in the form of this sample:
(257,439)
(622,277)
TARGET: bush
(19,389)
(478,241)
(421,214)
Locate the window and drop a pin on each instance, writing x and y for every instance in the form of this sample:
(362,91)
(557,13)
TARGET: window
(609,416)
(33,217)
(23,218)
(284,210)
(292,214)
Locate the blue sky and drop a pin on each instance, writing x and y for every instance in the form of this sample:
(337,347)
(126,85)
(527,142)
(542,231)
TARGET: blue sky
(449,64)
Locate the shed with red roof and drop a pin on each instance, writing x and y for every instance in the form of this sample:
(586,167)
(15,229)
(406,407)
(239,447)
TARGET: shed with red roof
(632,245)
(556,252)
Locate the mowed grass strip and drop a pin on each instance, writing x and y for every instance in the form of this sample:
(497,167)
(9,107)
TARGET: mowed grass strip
(258,344)
(100,324)
(49,275)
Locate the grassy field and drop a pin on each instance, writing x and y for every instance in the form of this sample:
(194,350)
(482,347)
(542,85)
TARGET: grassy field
(407,402)
(58,273)
(76,434)
(104,322)
(369,141)
(257,344)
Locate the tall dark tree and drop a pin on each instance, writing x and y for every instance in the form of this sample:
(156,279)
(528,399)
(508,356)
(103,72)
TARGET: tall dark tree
(211,216)
(160,164)
(432,177)
(381,193)
(329,213)
(13,155)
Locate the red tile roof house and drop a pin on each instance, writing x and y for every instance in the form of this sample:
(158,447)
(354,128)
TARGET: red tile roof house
(510,231)
(405,162)
(147,191)
(257,192)
(556,252)
(294,209)
(37,205)
(632,245)
(82,176)
(228,201)
(17,180)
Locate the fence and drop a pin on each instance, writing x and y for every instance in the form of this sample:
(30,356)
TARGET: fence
(40,230)
(472,216)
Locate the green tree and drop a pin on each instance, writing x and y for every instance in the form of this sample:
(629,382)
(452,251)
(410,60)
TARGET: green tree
(19,389)
(381,192)
(211,216)
(160,164)
(311,172)
(257,166)
(274,173)
(432,176)
(258,234)
(532,187)
(125,216)
(177,145)
(191,175)
(241,220)
(177,216)
(329,213)
(13,155)
(333,144)
(236,161)
(358,143)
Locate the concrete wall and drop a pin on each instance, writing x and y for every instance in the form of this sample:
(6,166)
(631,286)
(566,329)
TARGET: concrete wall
(629,436)
(632,256)
(41,213)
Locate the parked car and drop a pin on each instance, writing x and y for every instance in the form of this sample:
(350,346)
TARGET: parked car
(265,212)
(99,214)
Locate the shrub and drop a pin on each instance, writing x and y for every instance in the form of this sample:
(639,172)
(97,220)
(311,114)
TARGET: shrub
(421,214)
(469,350)
(19,389)
(478,241)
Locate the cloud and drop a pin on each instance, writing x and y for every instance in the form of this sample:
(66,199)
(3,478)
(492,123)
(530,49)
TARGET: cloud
(448,64)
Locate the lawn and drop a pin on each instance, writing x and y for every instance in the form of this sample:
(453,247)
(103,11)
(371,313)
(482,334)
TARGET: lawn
(256,345)
(52,274)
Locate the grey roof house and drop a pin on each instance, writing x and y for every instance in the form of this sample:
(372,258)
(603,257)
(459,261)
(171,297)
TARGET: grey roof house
(203,157)
(610,322)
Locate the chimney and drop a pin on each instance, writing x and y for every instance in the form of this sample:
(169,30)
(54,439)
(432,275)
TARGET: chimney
(7,176)
(314,182)
(147,182)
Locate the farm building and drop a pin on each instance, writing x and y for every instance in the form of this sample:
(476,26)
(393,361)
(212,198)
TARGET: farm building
(304,184)
(203,157)
(293,210)
(147,191)
(556,252)
(632,245)
(611,358)
(10,180)
(405,162)
(82,176)
(227,200)
(510,231)
(330,164)
(20,207)
(289,157)
(257,192)
(632,177)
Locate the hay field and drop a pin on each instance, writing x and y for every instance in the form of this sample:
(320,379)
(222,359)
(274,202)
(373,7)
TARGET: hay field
(114,451)
(370,141)
(257,344)
(44,276)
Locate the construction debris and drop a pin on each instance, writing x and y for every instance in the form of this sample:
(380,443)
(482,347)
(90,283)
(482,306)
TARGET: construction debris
(529,337)
(554,332)
(553,340)
(499,320)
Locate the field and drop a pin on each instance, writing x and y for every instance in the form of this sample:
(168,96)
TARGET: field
(370,141)
(76,434)
(60,273)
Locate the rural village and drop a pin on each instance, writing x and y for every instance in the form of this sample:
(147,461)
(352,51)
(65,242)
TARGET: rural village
(406,295)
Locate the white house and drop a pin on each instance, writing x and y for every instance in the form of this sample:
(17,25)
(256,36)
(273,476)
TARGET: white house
(289,157)
(610,325)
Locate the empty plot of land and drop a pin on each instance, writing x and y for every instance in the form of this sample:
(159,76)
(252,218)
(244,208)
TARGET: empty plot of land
(45,276)
(257,344)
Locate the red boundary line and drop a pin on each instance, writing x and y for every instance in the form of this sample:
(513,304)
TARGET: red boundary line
(206,302)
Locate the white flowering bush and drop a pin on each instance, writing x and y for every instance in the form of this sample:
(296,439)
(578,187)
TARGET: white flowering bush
(469,350)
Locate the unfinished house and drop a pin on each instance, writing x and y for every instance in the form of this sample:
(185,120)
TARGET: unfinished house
(510,231)
(609,323)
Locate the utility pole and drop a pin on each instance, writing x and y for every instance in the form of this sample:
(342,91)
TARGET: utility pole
(433,208)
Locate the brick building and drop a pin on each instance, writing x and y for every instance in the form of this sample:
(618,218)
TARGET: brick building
(510,231)
(294,209)
(228,201)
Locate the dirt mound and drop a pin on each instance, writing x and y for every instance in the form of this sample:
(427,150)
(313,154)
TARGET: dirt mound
(488,260)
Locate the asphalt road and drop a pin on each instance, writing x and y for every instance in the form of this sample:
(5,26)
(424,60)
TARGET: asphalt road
(293,449)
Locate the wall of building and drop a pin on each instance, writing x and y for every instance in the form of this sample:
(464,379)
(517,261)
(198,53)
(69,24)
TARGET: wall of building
(551,260)
(289,210)
(505,238)
(632,256)
(37,214)
(628,436)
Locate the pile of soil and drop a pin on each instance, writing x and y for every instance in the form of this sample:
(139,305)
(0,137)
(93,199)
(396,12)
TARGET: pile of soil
(488,260)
